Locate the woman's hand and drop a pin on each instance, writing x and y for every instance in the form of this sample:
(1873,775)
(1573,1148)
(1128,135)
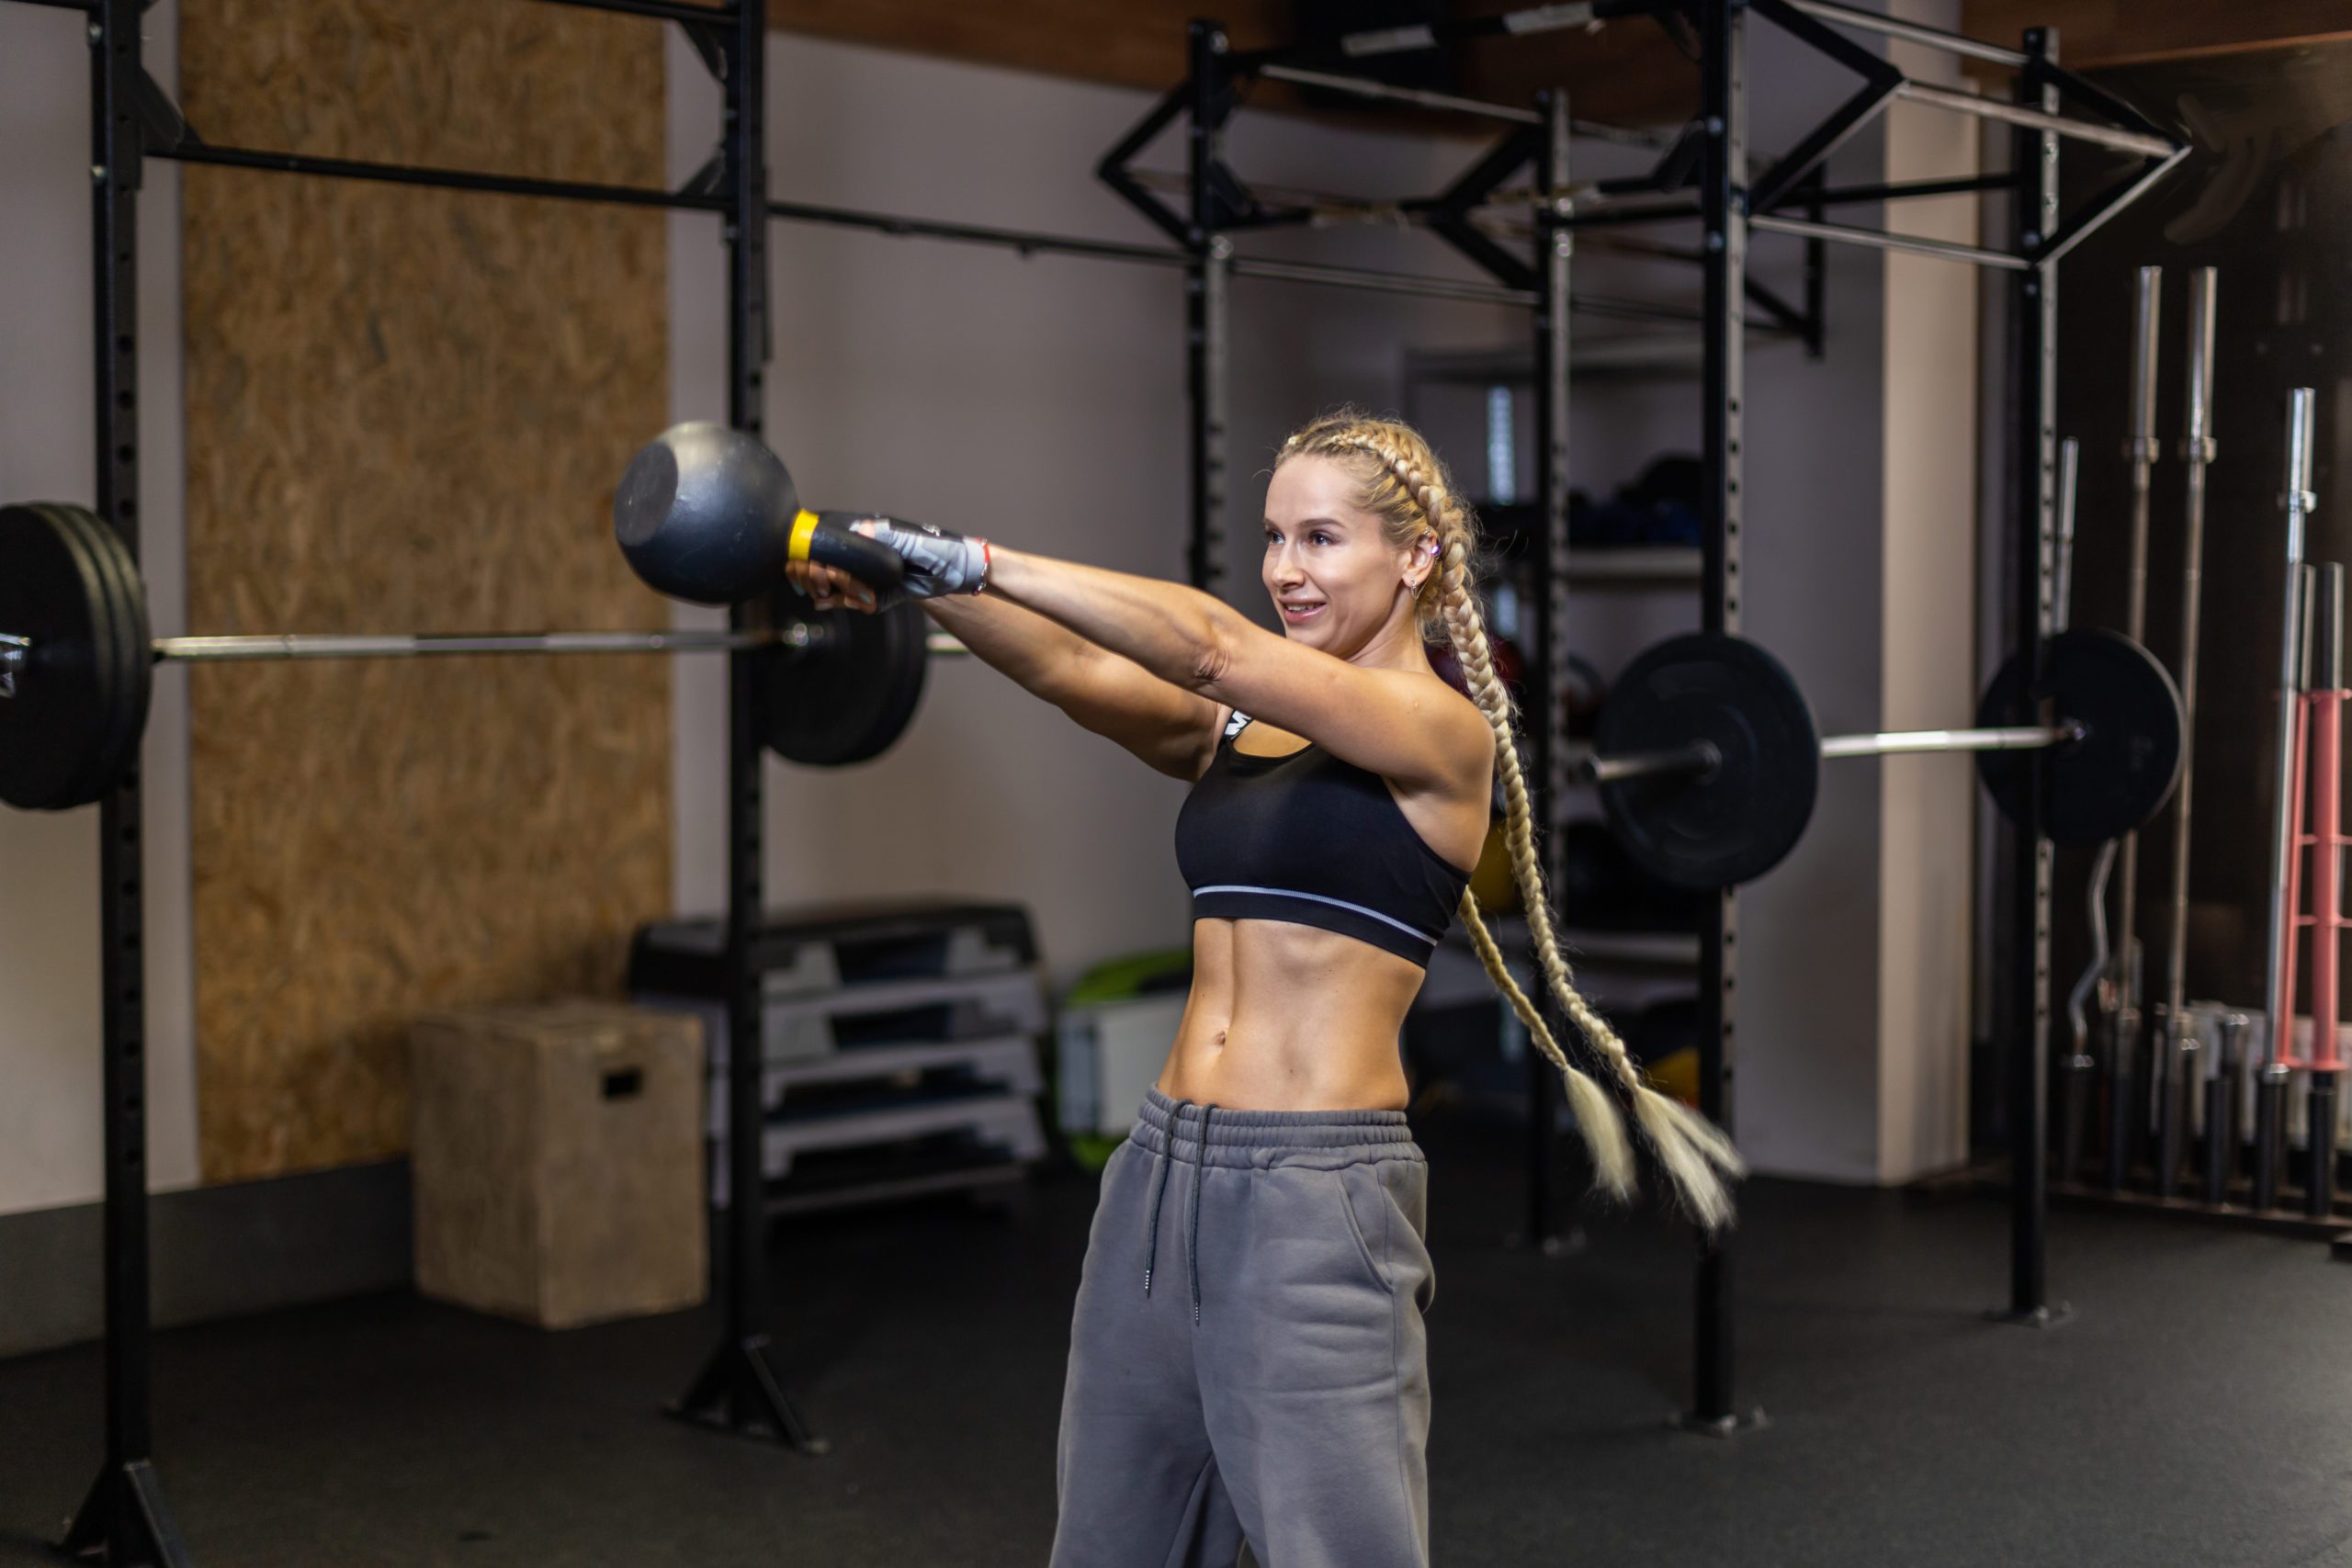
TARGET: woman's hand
(937,560)
(831,587)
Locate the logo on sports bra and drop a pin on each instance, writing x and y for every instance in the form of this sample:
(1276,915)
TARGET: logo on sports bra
(1234,726)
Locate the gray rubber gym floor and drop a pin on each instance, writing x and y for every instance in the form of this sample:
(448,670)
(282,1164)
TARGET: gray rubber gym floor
(2197,1410)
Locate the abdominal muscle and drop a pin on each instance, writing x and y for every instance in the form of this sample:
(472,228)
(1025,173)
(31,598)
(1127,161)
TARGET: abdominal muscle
(1289,1018)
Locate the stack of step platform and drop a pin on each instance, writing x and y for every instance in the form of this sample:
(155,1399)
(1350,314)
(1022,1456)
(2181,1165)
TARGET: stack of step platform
(899,1045)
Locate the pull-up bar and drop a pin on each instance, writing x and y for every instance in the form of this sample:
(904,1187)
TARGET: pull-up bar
(1365,87)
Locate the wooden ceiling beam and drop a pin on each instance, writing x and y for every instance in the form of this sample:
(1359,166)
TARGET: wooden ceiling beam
(1628,72)
(2117,33)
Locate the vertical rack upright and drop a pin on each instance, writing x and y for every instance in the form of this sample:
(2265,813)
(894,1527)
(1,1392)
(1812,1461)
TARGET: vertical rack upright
(738,1387)
(1547,741)
(124,1517)
(1722,222)
(2033,395)
(1207,275)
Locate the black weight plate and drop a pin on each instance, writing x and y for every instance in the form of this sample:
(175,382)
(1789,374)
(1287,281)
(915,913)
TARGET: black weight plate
(73,728)
(851,694)
(1736,823)
(131,647)
(72,673)
(2128,762)
(127,651)
(87,784)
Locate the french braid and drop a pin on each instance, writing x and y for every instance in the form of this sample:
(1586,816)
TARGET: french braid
(1408,488)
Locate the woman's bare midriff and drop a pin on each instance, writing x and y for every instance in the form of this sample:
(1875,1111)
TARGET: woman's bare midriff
(1289,1018)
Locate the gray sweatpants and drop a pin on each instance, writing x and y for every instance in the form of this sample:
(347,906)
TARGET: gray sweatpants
(1246,1356)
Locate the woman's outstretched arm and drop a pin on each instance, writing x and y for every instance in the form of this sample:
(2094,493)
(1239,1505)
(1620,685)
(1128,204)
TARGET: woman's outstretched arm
(1396,723)
(1172,729)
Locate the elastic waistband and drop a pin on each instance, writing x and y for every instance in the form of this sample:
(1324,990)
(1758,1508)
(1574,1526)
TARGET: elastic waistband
(1260,1137)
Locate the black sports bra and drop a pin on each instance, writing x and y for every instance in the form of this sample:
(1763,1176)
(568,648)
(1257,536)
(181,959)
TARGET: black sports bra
(1308,839)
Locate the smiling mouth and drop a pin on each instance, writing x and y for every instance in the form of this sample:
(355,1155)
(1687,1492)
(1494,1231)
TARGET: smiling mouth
(1294,614)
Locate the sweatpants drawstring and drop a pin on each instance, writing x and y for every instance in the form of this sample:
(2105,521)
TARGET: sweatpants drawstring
(1159,1191)
(1199,1171)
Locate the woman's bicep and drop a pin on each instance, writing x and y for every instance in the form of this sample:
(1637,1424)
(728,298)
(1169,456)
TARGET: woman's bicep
(1169,727)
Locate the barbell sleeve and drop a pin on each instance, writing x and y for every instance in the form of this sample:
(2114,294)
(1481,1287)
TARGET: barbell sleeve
(12,661)
(2142,449)
(2069,455)
(2012,738)
(1700,757)
(2299,502)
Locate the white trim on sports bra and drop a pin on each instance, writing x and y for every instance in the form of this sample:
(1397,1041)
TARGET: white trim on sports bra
(1413,932)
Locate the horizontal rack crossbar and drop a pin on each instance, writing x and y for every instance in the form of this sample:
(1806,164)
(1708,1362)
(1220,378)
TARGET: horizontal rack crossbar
(2035,119)
(438,178)
(1878,239)
(1363,87)
(1026,241)
(1910,32)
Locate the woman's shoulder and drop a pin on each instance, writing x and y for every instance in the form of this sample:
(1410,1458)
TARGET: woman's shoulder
(1456,728)
(1459,710)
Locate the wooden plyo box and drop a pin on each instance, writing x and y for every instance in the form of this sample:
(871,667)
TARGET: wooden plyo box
(556,1160)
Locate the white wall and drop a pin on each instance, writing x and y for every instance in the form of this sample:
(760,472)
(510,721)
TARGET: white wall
(1853,989)
(50,1131)
(1925,865)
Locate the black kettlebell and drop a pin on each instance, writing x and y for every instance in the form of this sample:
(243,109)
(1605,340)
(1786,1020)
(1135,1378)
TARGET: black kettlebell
(708,513)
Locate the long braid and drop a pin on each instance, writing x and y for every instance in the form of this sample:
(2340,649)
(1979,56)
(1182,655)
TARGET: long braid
(1692,1149)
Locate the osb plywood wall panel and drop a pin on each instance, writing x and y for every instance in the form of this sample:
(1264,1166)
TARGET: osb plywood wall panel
(406,411)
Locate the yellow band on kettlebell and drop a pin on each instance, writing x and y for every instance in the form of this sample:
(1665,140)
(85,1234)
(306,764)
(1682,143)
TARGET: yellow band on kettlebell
(804,529)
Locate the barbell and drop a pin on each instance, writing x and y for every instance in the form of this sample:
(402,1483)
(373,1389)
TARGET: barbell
(1709,762)
(78,662)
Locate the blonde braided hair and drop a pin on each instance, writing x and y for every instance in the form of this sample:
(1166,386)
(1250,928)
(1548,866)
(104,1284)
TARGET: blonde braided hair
(1408,488)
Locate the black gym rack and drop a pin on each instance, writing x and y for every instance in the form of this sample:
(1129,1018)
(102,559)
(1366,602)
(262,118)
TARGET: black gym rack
(1703,176)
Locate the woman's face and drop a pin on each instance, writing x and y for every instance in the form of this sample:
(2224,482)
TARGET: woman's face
(1335,580)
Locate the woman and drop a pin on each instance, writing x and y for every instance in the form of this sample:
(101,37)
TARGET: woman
(1341,796)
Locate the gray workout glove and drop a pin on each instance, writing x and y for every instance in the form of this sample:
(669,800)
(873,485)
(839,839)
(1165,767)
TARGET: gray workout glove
(937,561)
